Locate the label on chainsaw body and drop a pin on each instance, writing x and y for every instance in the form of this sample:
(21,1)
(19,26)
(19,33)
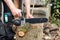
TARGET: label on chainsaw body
(6,18)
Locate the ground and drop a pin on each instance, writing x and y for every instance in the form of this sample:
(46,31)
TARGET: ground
(51,32)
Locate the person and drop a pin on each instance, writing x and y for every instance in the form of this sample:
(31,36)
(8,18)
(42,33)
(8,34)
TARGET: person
(9,6)
(17,12)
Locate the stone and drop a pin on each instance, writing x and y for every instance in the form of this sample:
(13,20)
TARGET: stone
(57,38)
(54,27)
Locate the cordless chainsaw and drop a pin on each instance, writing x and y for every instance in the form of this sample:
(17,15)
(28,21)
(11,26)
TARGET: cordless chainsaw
(8,18)
(23,21)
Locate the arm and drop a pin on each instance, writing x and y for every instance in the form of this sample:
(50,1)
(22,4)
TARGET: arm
(16,12)
(10,4)
(27,5)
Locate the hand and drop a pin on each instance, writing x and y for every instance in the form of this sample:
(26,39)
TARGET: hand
(16,13)
(29,16)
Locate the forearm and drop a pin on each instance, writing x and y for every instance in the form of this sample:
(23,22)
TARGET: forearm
(27,5)
(10,4)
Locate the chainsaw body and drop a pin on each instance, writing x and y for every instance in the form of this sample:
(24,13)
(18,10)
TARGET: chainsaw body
(8,18)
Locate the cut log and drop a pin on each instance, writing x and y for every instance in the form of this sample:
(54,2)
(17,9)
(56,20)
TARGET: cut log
(35,32)
(21,33)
